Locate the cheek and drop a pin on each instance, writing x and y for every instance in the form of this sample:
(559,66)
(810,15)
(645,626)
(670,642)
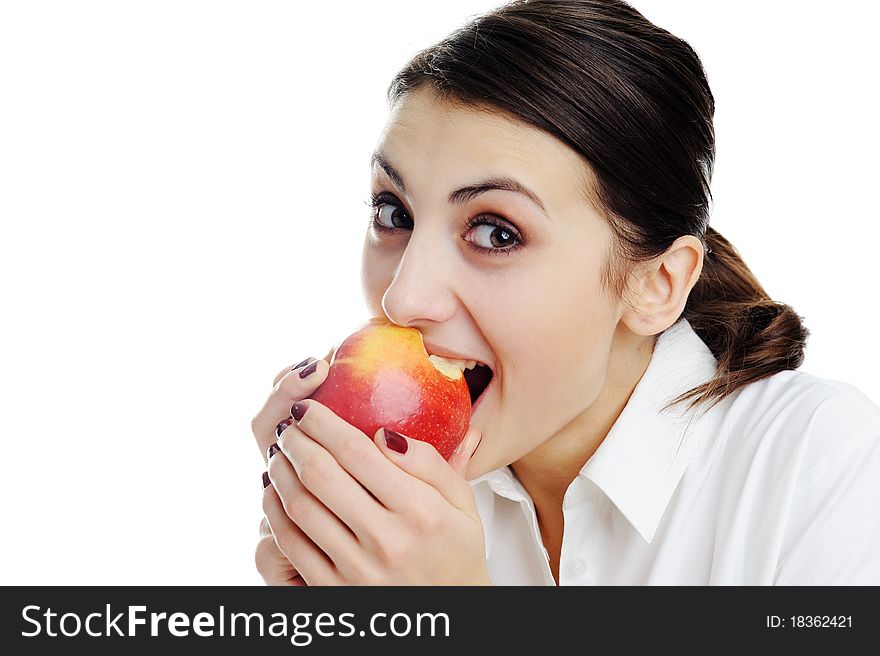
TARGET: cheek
(556,343)
(564,365)
(559,320)
(578,337)
(377,273)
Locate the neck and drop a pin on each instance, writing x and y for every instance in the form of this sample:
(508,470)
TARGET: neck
(547,472)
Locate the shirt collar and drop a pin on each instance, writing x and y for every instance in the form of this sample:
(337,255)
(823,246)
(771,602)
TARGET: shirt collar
(642,459)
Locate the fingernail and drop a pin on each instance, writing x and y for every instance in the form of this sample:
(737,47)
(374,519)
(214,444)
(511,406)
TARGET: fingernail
(297,366)
(395,441)
(273,450)
(266,481)
(308,371)
(298,409)
(281,426)
(474,450)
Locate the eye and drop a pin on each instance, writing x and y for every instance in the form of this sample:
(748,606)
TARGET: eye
(490,234)
(388,215)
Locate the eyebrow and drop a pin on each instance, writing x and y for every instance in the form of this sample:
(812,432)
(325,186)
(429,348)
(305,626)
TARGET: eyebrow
(465,194)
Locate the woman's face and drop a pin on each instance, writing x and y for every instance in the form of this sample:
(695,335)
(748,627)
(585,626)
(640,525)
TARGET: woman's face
(490,275)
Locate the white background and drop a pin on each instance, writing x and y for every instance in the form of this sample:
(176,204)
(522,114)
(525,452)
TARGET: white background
(181,197)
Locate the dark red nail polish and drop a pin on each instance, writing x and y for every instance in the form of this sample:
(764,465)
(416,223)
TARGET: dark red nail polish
(395,441)
(298,409)
(266,481)
(273,450)
(297,366)
(281,426)
(308,371)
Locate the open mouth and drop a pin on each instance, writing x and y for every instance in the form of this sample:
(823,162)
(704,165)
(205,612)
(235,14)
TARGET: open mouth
(477,375)
(478,380)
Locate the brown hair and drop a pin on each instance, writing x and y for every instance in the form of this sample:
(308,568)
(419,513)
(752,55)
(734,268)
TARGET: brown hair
(633,101)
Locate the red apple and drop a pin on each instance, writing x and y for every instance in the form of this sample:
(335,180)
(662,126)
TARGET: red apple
(382,376)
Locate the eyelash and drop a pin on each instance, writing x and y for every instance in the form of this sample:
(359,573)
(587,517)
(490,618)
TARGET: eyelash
(377,200)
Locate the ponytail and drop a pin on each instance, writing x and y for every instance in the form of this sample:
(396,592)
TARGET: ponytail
(751,335)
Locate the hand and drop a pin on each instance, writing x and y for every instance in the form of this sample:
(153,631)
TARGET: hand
(273,565)
(288,387)
(349,510)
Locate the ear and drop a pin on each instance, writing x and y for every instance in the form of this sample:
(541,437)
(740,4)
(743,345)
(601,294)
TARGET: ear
(663,286)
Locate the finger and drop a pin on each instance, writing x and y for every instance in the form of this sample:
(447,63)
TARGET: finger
(308,559)
(281,374)
(323,476)
(291,387)
(273,565)
(465,451)
(421,460)
(312,517)
(353,451)
(264,527)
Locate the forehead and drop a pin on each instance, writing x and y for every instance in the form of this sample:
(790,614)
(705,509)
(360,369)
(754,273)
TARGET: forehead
(425,133)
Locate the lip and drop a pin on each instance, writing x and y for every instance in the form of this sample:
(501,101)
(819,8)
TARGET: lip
(446,353)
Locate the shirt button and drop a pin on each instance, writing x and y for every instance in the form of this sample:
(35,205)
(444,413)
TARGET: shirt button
(577,566)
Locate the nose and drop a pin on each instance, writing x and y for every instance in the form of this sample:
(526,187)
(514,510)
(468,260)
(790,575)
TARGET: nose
(421,289)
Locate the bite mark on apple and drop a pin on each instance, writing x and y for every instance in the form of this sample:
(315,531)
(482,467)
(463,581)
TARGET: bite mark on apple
(452,369)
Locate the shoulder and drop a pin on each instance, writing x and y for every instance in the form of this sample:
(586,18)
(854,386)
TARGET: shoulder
(797,470)
(800,417)
(809,456)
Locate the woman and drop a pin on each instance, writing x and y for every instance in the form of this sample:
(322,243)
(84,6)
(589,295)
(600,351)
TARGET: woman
(541,205)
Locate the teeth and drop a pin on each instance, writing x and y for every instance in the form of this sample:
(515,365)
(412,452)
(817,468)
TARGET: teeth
(461,364)
(464,364)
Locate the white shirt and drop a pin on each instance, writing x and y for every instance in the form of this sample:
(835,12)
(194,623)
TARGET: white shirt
(779,483)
